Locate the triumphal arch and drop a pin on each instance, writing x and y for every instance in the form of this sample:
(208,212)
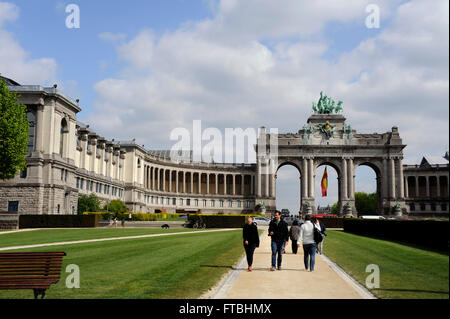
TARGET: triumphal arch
(327,139)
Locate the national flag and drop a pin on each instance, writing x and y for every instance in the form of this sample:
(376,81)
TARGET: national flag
(324,183)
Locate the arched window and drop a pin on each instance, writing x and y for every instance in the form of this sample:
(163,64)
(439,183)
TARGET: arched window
(62,136)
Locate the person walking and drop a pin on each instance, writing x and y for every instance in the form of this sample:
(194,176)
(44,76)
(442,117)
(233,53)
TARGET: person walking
(278,231)
(251,240)
(294,234)
(309,244)
(322,228)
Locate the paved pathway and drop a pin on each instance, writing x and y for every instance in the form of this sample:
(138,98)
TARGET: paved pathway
(111,239)
(293,282)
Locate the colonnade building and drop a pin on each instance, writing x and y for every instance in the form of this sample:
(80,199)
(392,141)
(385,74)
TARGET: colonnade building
(67,158)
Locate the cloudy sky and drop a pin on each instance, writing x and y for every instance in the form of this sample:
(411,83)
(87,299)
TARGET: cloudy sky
(143,68)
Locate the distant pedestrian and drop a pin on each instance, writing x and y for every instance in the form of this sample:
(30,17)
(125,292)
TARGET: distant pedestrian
(320,225)
(251,240)
(122,222)
(115,222)
(278,231)
(294,234)
(309,244)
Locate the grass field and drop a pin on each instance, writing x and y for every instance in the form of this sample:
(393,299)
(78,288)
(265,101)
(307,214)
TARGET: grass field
(405,272)
(40,236)
(178,266)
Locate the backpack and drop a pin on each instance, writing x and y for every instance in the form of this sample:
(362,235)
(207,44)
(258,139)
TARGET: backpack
(318,237)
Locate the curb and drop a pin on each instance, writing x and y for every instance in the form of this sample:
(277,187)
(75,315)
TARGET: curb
(360,289)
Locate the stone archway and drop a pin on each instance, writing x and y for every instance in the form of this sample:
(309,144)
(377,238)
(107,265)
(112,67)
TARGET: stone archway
(327,138)
(296,166)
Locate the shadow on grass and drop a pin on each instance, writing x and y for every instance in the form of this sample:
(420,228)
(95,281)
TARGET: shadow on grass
(413,290)
(242,268)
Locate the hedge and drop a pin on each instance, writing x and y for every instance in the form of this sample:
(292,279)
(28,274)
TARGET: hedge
(219,221)
(57,221)
(136,216)
(427,233)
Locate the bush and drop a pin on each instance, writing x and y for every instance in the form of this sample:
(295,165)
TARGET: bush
(89,203)
(429,233)
(366,204)
(116,206)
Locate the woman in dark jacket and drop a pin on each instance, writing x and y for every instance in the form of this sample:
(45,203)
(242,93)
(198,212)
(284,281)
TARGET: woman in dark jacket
(294,234)
(251,240)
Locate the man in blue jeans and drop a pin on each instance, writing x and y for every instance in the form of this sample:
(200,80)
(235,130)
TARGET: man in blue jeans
(278,231)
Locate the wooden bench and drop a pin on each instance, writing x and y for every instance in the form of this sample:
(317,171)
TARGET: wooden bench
(35,271)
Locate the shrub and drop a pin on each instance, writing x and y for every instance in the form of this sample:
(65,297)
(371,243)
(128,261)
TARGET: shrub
(89,203)
(116,206)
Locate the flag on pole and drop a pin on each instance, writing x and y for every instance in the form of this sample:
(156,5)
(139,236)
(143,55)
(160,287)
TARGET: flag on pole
(324,183)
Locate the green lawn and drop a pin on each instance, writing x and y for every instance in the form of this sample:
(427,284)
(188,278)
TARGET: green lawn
(405,272)
(179,266)
(40,236)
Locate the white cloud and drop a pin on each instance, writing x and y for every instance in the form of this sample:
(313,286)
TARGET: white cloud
(221,71)
(15,61)
(112,37)
(8,12)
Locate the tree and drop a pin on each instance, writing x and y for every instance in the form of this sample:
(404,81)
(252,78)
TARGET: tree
(13,133)
(366,204)
(89,203)
(335,209)
(116,206)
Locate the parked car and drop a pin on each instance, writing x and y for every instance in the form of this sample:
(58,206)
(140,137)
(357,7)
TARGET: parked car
(261,221)
(372,217)
(290,220)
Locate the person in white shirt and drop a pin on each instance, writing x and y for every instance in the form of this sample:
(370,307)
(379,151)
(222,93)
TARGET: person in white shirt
(309,245)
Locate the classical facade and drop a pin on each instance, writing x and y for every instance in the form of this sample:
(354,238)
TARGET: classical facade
(66,158)
(427,188)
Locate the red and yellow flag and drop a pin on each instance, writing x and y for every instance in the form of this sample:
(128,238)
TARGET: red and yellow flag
(324,183)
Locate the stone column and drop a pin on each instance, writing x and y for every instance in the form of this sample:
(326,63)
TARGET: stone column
(242,184)
(428,185)
(311,178)
(170,181)
(266,183)
(304,179)
(184,181)
(400,179)
(192,182)
(344,179)
(176,182)
(392,179)
(234,183)
(207,183)
(199,183)
(417,187)
(258,179)
(164,180)
(385,180)
(406,186)
(350,180)
(152,169)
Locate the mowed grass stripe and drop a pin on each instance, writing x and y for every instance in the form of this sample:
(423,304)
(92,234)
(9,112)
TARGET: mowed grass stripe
(158,267)
(405,271)
(42,236)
